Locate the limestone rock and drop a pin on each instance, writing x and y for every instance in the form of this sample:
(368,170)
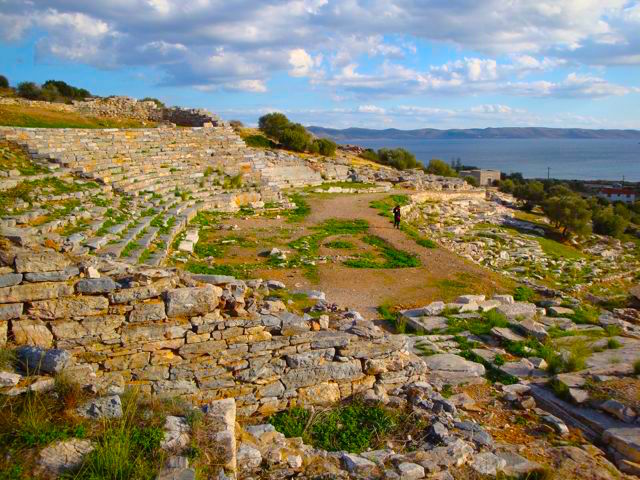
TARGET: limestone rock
(410,471)
(68,307)
(10,311)
(148,312)
(249,458)
(488,463)
(40,262)
(518,310)
(95,285)
(63,456)
(453,366)
(176,433)
(58,276)
(191,301)
(102,407)
(356,464)
(31,332)
(9,379)
(29,292)
(10,279)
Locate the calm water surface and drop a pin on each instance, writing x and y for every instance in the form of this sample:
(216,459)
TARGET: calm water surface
(567,158)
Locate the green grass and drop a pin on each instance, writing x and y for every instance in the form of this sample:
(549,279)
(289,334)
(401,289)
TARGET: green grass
(523,294)
(571,360)
(557,249)
(585,314)
(353,427)
(613,344)
(129,248)
(391,257)
(241,271)
(14,157)
(300,212)
(352,185)
(29,190)
(393,318)
(385,207)
(477,326)
(340,244)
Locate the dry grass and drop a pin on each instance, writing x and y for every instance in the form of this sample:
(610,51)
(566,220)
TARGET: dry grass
(40,117)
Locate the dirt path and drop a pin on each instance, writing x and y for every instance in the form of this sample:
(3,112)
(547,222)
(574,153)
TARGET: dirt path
(442,274)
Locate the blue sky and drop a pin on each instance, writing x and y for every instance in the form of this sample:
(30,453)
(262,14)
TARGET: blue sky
(365,63)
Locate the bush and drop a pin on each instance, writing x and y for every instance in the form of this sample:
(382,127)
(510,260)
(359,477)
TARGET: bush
(636,367)
(607,222)
(530,193)
(507,185)
(258,141)
(370,154)
(295,137)
(29,90)
(438,167)
(4,82)
(397,158)
(473,181)
(325,147)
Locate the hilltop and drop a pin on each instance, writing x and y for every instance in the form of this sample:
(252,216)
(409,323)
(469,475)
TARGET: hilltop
(496,133)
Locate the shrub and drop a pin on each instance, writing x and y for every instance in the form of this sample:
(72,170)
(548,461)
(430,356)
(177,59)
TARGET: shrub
(507,186)
(325,147)
(370,154)
(523,294)
(636,367)
(29,90)
(291,423)
(295,137)
(258,141)
(397,158)
(397,321)
(473,181)
(4,82)
(438,167)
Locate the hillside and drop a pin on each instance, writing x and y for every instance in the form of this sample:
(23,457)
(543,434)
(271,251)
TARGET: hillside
(475,133)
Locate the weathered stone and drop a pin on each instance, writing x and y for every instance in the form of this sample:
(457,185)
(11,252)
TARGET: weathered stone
(554,422)
(304,377)
(518,466)
(31,332)
(221,416)
(618,410)
(559,311)
(470,299)
(427,324)
(507,334)
(95,285)
(517,310)
(434,308)
(63,456)
(410,471)
(40,262)
(42,384)
(10,279)
(148,312)
(68,307)
(11,310)
(249,458)
(534,329)
(103,407)
(356,464)
(321,394)
(507,299)
(192,301)
(36,359)
(176,433)
(9,379)
(30,292)
(456,366)
(61,276)
(488,464)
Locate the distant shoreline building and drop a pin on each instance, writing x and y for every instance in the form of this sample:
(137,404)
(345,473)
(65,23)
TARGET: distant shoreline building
(625,195)
(483,177)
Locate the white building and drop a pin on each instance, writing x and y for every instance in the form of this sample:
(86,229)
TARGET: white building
(625,195)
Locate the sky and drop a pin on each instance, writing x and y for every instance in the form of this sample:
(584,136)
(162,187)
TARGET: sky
(350,63)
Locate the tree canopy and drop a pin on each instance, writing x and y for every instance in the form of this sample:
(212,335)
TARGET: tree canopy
(438,167)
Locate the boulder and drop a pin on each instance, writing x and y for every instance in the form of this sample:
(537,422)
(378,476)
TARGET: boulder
(531,328)
(624,440)
(410,471)
(36,359)
(357,465)
(453,367)
(556,311)
(427,324)
(63,456)
(434,308)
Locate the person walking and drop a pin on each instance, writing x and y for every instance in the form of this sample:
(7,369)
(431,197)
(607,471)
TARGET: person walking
(396,217)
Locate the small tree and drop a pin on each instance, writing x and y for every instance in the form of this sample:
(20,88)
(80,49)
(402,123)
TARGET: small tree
(29,90)
(370,154)
(273,124)
(606,221)
(530,193)
(4,82)
(438,167)
(569,212)
(473,181)
(398,158)
(507,185)
(325,146)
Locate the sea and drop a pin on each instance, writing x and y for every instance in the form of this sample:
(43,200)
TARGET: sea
(567,159)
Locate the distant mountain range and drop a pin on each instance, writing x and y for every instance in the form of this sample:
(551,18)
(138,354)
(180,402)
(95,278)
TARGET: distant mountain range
(354,134)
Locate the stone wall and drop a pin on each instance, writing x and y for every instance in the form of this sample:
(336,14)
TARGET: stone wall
(447,195)
(173,334)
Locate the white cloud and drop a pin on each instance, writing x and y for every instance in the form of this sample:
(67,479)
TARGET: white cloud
(257,39)
(371,109)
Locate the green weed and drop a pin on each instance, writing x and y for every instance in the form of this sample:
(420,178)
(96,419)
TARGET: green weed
(523,294)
